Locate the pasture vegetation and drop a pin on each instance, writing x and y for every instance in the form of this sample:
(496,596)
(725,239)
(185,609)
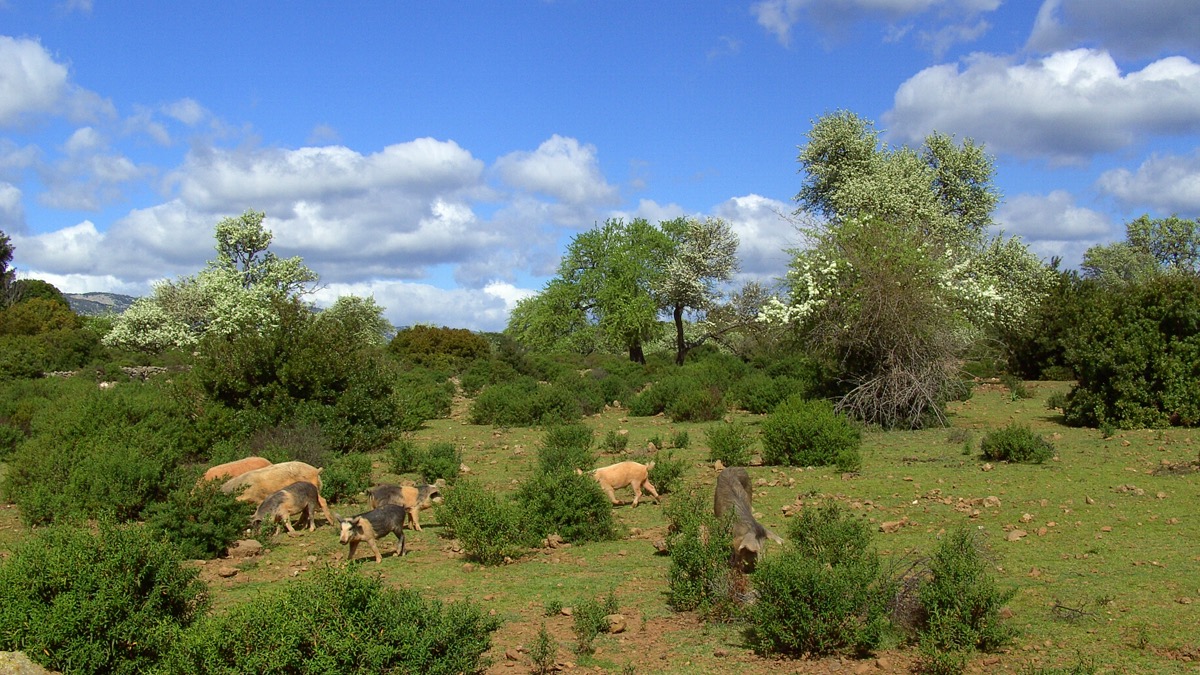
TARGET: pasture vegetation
(1083,542)
(1058,542)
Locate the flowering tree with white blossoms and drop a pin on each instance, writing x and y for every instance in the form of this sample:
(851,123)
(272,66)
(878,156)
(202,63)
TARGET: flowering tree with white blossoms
(233,293)
(900,276)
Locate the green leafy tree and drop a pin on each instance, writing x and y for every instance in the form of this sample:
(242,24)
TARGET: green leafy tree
(705,254)
(1152,246)
(900,276)
(7,274)
(234,294)
(607,278)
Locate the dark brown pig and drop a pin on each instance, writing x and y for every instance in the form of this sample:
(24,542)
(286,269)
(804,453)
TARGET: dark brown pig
(295,499)
(413,499)
(733,497)
(373,525)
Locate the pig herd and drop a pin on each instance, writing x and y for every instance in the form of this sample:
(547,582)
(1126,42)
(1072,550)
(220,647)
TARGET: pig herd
(292,489)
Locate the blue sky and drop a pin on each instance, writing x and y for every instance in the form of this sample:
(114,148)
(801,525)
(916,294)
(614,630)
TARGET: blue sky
(439,156)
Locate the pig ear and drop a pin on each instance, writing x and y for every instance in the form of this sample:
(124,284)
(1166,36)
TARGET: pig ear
(749,543)
(774,537)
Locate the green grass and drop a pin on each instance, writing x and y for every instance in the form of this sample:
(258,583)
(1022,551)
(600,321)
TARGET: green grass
(1112,580)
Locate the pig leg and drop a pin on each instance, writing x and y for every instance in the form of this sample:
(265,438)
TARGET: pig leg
(612,497)
(287,522)
(375,548)
(325,508)
(353,548)
(308,515)
(412,516)
(637,492)
(400,544)
(650,488)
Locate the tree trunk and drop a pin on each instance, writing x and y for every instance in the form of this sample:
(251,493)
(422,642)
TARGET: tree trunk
(681,348)
(635,353)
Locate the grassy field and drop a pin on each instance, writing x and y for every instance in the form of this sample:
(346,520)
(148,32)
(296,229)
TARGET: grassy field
(1102,544)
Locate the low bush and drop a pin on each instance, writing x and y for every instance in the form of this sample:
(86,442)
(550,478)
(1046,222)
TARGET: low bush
(201,520)
(524,402)
(570,504)
(697,404)
(700,577)
(667,473)
(345,477)
(655,397)
(588,620)
(113,600)
(566,447)
(1016,443)
(729,443)
(337,621)
(402,456)
(759,393)
(961,605)
(287,443)
(826,593)
(483,372)
(543,651)
(614,443)
(440,460)
(421,395)
(805,432)
(680,439)
(489,527)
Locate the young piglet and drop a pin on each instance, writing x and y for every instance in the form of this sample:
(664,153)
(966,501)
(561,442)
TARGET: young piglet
(373,525)
(413,499)
(617,476)
(733,495)
(295,499)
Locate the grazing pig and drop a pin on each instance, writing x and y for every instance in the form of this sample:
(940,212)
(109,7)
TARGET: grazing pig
(297,498)
(413,499)
(617,476)
(257,485)
(372,526)
(733,497)
(235,468)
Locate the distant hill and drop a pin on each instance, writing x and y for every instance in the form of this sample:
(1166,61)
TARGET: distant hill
(92,304)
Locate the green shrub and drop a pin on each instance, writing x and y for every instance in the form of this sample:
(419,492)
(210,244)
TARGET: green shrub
(680,439)
(112,600)
(489,527)
(402,456)
(566,447)
(729,443)
(700,577)
(614,442)
(655,398)
(10,438)
(809,433)
(200,520)
(421,395)
(483,372)
(1016,386)
(570,504)
(100,452)
(345,477)
(440,460)
(960,602)
(759,393)
(428,344)
(543,652)
(698,404)
(524,402)
(588,620)
(826,593)
(1133,348)
(667,473)
(288,443)
(1016,443)
(337,621)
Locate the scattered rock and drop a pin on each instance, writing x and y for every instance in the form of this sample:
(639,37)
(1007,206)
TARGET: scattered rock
(1016,535)
(16,663)
(512,655)
(991,502)
(227,572)
(986,467)
(718,466)
(616,623)
(892,526)
(660,546)
(245,548)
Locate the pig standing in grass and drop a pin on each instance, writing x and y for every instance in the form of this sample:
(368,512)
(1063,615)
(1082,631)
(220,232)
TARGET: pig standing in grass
(412,499)
(733,497)
(297,498)
(373,525)
(255,486)
(617,476)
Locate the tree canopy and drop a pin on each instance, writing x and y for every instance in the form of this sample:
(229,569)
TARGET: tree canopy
(1152,246)
(235,292)
(900,274)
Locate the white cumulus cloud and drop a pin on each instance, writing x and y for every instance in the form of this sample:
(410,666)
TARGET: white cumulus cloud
(1164,183)
(1064,108)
